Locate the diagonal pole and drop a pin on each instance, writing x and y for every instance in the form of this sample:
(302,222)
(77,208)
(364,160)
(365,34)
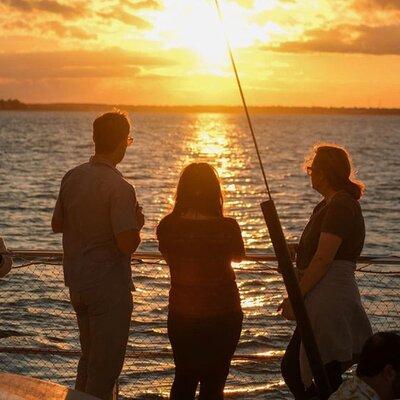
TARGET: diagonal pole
(282,253)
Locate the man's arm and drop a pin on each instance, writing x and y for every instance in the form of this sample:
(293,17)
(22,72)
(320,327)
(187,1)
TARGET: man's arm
(128,241)
(127,219)
(57,220)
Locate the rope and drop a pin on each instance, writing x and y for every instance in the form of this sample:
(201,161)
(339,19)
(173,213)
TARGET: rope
(260,261)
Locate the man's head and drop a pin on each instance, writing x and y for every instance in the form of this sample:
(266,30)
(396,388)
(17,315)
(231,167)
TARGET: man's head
(111,135)
(379,364)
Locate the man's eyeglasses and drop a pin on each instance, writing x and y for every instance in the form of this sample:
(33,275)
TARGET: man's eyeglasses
(129,141)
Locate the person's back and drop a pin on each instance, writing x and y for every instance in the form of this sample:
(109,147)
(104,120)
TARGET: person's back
(99,217)
(205,317)
(91,195)
(199,254)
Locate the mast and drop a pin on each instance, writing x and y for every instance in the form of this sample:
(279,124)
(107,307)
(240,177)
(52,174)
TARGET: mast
(283,256)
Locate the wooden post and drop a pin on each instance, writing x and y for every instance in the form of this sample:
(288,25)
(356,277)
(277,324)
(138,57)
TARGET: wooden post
(296,299)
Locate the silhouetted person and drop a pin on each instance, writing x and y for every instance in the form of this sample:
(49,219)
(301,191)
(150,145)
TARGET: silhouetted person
(99,217)
(326,260)
(5,260)
(378,371)
(205,316)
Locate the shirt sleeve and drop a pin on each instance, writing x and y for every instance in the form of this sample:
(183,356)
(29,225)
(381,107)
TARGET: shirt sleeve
(238,250)
(58,213)
(123,209)
(160,232)
(339,218)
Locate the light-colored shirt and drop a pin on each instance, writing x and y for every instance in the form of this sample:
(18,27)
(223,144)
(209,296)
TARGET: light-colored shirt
(354,389)
(95,204)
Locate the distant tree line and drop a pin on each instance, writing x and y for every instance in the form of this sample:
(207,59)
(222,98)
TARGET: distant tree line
(12,104)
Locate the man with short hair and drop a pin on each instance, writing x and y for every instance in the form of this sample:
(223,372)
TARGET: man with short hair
(378,371)
(100,219)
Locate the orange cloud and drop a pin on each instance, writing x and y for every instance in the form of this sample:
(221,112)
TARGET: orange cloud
(58,28)
(142,4)
(371,5)
(77,10)
(77,64)
(63,30)
(362,39)
(117,13)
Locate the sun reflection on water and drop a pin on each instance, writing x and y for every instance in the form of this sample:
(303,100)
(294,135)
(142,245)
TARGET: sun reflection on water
(213,142)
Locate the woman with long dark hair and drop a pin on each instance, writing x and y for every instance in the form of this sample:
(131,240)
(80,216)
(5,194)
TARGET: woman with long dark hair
(326,260)
(205,316)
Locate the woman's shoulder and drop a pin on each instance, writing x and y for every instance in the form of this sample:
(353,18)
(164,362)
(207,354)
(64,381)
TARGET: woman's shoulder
(166,223)
(231,224)
(344,207)
(344,199)
(229,221)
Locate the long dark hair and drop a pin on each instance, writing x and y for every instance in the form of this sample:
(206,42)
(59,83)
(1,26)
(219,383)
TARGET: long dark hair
(335,163)
(199,190)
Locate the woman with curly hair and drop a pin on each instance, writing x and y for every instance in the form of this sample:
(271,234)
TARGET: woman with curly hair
(326,260)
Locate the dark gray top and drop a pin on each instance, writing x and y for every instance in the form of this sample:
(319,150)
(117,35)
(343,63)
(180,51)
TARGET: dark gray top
(342,217)
(199,255)
(95,204)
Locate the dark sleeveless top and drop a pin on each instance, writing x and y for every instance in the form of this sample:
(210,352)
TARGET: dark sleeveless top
(342,217)
(199,255)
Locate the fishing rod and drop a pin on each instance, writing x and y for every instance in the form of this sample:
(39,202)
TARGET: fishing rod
(281,249)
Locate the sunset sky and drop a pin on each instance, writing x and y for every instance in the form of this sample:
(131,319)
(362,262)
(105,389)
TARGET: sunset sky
(289,52)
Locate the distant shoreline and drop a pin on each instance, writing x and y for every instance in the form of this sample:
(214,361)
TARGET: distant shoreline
(267,110)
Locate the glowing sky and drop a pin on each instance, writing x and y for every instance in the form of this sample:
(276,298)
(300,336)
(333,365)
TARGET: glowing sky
(289,52)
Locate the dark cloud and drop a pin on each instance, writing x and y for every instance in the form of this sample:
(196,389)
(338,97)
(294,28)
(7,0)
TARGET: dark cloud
(119,14)
(142,4)
(77,64)
(380,40)
(373,5)
(48,6)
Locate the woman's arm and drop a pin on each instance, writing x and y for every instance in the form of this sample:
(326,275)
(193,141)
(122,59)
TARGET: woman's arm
(328,246)
(238,250)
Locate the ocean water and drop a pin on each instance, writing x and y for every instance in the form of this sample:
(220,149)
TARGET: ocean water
(37,148)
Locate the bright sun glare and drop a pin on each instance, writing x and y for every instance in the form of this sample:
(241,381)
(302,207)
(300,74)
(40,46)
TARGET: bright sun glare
(196,27)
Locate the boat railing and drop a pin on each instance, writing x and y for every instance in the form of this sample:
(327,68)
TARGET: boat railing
(39,336)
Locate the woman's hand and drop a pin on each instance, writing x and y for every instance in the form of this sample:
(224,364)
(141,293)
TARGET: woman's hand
(286,310)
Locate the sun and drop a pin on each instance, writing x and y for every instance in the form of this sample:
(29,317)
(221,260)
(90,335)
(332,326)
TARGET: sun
(194,25)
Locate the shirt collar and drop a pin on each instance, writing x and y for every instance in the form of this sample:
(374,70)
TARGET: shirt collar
(96,159)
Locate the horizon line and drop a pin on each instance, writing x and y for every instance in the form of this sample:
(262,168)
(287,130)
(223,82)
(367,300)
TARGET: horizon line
(234,108)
